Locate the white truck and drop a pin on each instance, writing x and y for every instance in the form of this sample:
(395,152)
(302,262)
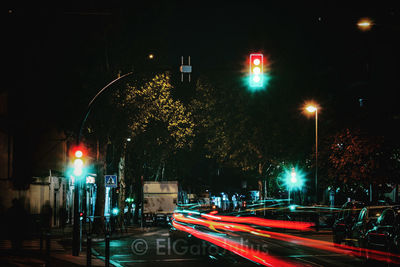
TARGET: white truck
(159,201)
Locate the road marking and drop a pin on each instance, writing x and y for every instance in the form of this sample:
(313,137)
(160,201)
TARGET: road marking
(111,261)
(153,233)
(326,255)
(310,262)
(161,260)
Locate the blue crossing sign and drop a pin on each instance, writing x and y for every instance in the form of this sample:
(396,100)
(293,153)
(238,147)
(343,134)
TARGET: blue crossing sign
(111,181)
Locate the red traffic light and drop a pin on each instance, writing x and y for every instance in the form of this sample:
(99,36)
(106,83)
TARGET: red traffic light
(77,152)
(81,216)
(78,156)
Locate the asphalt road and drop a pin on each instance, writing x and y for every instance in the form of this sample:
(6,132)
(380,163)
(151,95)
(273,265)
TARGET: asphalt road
(157,247)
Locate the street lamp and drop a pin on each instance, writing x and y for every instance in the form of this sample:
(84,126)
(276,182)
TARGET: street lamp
(312,109)
(365,24)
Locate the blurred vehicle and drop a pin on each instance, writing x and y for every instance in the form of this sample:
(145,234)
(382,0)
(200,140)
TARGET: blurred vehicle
(385,235)
(345,219)
(159,201)
(365,221)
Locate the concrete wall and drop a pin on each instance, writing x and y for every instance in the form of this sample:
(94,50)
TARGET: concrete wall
(51,190)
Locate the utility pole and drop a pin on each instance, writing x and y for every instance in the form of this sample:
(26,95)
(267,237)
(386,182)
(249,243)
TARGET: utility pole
(185,69)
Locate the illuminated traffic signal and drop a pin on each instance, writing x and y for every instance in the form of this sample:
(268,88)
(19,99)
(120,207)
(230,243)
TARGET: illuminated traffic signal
(115,211)
(256,70)
(81,214)
(293,178)
(78,161)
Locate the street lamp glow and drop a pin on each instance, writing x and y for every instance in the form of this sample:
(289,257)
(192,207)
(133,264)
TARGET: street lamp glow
(151,56)
(311,109)
(365,24)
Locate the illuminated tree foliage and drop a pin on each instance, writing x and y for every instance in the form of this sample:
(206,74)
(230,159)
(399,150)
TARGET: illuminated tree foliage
(158,124)
(223,125)
(355,157)
(237,133)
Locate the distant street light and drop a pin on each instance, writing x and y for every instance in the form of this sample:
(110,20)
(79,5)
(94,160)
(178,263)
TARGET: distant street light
(365,24)
(312,109)
(151,56)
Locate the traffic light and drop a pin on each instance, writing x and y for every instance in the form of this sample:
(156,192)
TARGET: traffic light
(293,178)
(78,161)
(81,214)
(256,70)
(115,211)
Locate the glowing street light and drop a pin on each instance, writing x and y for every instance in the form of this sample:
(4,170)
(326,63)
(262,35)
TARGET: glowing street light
(313,109)
(365,24)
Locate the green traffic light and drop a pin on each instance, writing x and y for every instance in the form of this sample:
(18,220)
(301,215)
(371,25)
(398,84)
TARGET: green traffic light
(115,211)
(293,178)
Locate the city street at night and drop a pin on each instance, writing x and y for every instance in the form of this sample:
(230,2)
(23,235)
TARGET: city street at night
(197,133)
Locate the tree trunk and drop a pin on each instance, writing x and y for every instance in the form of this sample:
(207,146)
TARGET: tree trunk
(100,199)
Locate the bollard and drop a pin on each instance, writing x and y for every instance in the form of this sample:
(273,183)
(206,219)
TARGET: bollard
(107,249)
(89,251)
(41,241)
(48,240)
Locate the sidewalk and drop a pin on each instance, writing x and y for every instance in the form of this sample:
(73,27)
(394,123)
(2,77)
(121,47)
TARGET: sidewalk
(60,250)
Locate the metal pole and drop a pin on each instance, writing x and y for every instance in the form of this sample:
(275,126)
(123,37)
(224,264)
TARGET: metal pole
(107,252)
(48,240)
(93,100)
(316,155)
(76,227)
(89,250)
(189,72)
(76,235)
(41,240)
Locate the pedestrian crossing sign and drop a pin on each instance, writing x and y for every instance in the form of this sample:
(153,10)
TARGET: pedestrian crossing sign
(111,181)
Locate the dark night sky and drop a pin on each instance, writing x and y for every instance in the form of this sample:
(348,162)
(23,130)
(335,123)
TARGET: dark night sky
(56,55)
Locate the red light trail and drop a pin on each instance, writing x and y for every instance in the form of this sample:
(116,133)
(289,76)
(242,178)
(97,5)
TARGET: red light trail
(230,227)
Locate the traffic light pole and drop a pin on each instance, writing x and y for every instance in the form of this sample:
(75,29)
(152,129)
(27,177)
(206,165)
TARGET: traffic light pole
(76,235)
(93,100)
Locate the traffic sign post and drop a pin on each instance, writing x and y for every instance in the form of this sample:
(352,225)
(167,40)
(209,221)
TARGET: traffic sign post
(111,181)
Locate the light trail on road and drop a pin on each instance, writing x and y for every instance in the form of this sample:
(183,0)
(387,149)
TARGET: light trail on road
(235,247)
(223,227)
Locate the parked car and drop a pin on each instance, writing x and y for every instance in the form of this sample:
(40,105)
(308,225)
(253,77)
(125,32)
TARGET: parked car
(385,235)
(365,222)
(345,219)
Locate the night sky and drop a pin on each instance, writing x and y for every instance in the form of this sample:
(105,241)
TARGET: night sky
(58,58)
